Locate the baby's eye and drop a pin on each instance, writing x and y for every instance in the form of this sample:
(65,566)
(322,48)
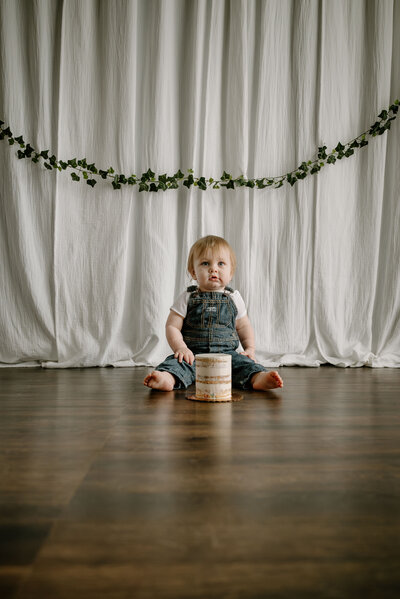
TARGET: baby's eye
(204,263)
(221,263)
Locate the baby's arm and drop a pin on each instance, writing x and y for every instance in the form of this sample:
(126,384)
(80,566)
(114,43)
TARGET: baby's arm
(246,336)
(173,329)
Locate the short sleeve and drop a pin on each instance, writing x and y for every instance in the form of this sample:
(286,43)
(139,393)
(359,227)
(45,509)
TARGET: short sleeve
(239,303)
(180,304)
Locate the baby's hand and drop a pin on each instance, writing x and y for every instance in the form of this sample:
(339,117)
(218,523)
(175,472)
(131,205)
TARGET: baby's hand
(250,353)
(184,353)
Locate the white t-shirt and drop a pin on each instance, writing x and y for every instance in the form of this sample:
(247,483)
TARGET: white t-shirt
(181,303)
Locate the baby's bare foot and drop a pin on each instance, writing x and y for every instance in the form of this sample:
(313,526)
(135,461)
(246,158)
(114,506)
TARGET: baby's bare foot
(262,381)
(163,381)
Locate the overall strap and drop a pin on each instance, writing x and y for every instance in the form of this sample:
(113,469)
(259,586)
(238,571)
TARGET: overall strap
(193,288)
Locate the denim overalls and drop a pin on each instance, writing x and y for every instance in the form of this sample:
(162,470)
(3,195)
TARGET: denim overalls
(209,327)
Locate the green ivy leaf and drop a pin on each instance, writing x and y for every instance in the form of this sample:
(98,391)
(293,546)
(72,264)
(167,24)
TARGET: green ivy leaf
(179,175)
(143,186)
(48,166)
(91,182)
(331,159)
(226,176)
(116,185)
(21,154)
(202,183)
(339,147)
(374,129)
(250,183)
(75,177)
(260,183)
(189,181)
(103,174)
(153,187)
(383,115)
(20,140)
(29,151)
(11,141)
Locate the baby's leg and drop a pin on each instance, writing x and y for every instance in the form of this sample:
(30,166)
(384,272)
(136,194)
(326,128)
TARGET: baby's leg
(164,381)
(262,381)
(170,375)
(247,374)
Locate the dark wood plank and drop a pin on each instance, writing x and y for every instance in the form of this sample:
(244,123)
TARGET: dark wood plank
(109,489)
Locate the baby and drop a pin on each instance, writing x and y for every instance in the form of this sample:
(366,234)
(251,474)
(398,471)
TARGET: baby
(210,318)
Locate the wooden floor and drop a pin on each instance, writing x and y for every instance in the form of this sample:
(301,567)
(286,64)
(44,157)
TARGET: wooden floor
(108,489)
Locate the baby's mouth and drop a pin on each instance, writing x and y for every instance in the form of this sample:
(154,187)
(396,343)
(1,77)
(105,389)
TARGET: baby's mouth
(213,278)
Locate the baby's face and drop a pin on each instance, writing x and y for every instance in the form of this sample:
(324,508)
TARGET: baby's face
(213,270)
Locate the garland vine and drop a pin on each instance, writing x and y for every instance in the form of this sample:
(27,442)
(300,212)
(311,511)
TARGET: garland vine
(151,182)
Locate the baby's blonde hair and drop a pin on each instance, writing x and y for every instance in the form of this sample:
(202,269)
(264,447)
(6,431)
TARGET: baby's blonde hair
(209,242)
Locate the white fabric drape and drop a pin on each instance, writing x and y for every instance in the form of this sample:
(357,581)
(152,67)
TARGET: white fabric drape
(252,87)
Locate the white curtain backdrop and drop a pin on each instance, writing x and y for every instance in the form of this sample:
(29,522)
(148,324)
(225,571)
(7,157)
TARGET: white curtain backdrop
(252,87)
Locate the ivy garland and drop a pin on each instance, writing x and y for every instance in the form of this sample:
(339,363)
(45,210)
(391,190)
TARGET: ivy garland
(149,181)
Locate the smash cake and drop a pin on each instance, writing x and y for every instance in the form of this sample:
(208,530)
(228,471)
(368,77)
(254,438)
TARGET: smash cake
(214,378)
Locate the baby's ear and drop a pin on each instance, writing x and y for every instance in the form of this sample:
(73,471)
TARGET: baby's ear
(193,275)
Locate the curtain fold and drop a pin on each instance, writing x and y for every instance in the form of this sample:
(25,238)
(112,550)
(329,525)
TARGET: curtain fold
(252,87)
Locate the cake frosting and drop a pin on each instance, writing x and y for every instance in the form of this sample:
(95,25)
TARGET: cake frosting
(214,377)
